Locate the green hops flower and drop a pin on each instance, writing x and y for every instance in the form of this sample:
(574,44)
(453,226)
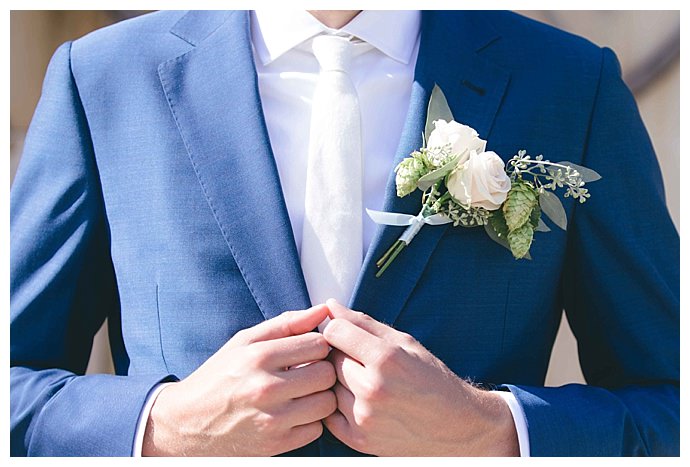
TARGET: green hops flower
(521,200)
(407,174)
(520,240)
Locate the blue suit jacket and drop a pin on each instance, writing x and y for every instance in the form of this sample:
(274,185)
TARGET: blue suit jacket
(148,195)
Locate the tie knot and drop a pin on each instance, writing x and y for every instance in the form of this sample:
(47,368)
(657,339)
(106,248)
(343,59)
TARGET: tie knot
(334,53)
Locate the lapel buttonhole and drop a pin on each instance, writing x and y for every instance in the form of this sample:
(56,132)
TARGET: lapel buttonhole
(473,87)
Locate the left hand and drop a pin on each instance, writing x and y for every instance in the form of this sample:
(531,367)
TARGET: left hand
(396,399)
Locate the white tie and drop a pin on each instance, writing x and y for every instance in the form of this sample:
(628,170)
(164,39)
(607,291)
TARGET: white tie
(331,253)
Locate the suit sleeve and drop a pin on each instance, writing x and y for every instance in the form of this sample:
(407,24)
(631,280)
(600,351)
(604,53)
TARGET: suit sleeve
(621,295)
(62,288)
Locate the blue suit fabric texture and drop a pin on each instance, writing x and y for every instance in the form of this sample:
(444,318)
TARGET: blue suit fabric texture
(148,194)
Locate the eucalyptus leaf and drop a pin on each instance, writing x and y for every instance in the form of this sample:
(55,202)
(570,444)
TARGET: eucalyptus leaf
(535,216)
(432,177)
(553,208)
(498,223)
(587,175)
(438,110)
(493,235)
(542,227)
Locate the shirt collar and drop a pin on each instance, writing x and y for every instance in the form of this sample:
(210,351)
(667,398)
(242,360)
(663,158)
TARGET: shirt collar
(395,33)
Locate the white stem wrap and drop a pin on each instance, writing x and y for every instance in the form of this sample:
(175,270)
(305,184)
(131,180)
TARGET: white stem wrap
(415,223)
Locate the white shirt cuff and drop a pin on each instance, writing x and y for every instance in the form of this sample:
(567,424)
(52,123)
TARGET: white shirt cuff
(508,397)
(144,418)
(519,419)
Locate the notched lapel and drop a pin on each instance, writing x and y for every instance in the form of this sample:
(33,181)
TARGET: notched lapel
(213,95)
(450,56)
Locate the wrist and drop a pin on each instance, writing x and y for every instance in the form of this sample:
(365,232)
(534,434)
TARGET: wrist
(157,435)
(496,433)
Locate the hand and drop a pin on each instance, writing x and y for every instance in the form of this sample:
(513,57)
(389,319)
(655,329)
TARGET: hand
(396,399)
(263,393)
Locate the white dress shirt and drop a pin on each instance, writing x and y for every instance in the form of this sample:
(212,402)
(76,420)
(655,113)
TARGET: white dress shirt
(385,52)
(386,47)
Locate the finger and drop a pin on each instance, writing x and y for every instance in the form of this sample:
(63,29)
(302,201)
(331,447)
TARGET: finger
(354,341)
(311,408)
(345,402)
(290,323)
(302,435)
(338,425)
(362,320)
(309,379)
(293,350)
(350,372)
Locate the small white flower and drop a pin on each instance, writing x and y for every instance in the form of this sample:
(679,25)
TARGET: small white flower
(407,174)
(438,156)
(460,138)
(480,182)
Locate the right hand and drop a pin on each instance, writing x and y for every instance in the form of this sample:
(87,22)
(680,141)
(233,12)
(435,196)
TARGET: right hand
(263,393)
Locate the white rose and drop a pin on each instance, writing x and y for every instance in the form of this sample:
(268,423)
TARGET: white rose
(460,137)
(481,182)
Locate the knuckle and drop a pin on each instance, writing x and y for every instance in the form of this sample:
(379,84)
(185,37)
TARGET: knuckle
(330,403)
(257,356)
(327,374)
(407,339)
(321,344)
(390,357)
(312,432)
(316,431)
(364,417)
(266,424)
(241,337)
(360,442)
(333,328)
(363,316)
(321,376)
(375,389)
(263,390)
(305,435)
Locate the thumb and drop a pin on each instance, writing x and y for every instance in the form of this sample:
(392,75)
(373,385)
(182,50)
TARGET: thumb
(290,323)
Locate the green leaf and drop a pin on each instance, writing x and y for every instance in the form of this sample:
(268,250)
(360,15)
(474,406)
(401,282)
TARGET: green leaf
(438,110)
(535,216)
(493,235)
(519,204)
(587,175)
(432,177)
(542,227)
(498,222)
(553,208)
(498,231)
(520,240)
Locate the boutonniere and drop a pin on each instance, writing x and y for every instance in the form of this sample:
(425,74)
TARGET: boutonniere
(463,184)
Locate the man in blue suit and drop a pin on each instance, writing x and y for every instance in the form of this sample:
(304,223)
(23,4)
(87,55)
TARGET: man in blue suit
(149,194)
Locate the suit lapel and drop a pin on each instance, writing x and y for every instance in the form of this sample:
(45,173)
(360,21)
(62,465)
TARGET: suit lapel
(474,89)
(213,94)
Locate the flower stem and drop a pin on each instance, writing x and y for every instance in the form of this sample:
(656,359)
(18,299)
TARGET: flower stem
(444,198)
(383,259)
(397,248)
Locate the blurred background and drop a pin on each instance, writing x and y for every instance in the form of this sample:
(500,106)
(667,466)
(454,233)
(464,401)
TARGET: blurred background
(647,44)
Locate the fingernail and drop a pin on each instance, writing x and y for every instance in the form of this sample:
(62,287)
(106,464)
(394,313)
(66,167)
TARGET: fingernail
(323,324)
